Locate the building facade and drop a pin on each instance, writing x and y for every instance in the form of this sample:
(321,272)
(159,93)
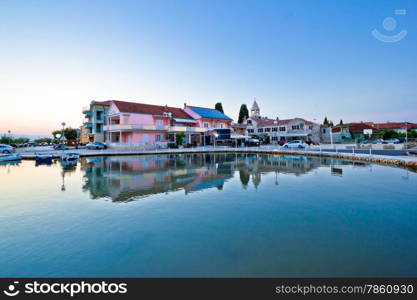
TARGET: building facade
(277,130)
(95,119)
(217,126)
(130,124)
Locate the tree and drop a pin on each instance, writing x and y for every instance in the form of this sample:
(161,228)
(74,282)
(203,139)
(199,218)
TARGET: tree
(11,140)
(244,177)
(43,140)
(341,122)
(179,137)
(243,113)
(69,133)
(326,122)
(219,107)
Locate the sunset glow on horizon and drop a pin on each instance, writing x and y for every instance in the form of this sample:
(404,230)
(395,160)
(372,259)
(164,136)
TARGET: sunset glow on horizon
(298,58)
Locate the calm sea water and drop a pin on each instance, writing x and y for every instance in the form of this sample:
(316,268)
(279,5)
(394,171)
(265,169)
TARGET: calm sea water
(207,215)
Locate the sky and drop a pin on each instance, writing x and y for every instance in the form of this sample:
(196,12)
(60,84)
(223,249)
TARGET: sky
(306,59)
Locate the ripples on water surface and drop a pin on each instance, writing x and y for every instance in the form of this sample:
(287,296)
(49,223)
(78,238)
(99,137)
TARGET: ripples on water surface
(207,215)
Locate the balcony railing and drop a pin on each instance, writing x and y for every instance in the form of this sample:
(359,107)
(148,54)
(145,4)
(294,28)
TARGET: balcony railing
(130,127)
(187,129)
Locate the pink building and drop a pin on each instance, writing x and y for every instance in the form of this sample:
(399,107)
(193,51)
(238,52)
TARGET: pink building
(145,124)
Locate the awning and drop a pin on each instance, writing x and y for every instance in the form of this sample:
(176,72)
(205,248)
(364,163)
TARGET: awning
(185,120)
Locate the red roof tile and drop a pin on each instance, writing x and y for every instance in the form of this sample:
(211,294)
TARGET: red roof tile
(395,125)
(150,109)
(262,122)
(359,127)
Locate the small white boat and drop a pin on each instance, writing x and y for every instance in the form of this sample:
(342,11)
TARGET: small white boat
(70,156)
(10,157)
(412,151)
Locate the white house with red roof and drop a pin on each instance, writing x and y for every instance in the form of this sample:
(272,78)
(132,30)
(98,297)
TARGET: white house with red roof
(281,130)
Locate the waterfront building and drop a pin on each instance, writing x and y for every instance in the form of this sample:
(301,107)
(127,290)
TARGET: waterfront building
(347,133)
(94,122)
(399,127)
(133,123)
(138,124)
(217,126)
(276,130)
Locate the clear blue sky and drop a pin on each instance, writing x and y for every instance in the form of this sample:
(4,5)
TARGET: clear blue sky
(298,58)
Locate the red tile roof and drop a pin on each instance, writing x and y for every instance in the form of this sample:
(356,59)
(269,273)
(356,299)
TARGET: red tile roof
(150,109)
(395,125)
(262,121)
(359,127)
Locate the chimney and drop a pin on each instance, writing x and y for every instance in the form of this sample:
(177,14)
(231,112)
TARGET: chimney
(185,105)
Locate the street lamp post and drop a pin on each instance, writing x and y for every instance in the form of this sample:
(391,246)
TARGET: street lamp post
(63,127)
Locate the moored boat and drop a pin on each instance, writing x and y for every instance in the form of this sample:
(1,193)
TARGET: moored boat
(43,159)
(10,157)
(70,156)
(412,151)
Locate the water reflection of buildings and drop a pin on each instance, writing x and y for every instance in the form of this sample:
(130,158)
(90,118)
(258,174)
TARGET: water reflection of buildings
(127,178)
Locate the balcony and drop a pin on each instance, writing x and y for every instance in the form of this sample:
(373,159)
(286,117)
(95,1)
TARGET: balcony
(100,119)
(135,127)
(187,129)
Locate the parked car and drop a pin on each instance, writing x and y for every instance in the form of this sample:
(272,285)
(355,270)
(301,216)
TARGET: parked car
(252,142)
(96,146)
(393,141)
(401,139)
(60,147)
(282,143)
(377,141)
(295,144)
(6,149)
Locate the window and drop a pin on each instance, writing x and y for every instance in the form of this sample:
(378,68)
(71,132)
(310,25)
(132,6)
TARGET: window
(146,138)
(274,138)
(250,130)
(206,125)
(310,127)
(268,129)
(301,125)
(158,138)
(221,125)
(295,127)
(282,128)
(274,129)
(260,130)
(159,124)
(99,128)
(249,122)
